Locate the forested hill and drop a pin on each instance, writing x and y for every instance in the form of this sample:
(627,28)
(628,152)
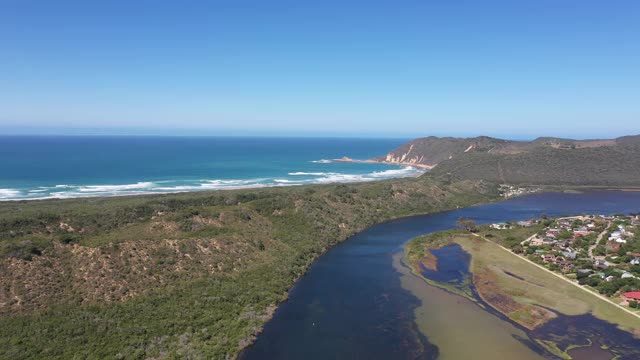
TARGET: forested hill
(544,161)
(192,275)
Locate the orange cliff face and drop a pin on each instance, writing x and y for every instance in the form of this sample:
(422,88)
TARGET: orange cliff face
(430,151)
(408,162)
(407,159)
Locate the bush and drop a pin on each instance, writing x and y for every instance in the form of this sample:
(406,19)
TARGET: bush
(25,249)
(70,239)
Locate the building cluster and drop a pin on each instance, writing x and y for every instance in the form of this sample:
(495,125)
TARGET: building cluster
(595,250)
(508,191)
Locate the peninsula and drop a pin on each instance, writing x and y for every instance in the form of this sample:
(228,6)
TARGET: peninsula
(543,161)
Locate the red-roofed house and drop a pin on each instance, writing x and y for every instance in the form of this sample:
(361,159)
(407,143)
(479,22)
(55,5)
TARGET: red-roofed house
(613,247)
(632,295)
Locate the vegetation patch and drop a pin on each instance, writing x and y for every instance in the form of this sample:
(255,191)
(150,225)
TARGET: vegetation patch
(525,293)
(192,275)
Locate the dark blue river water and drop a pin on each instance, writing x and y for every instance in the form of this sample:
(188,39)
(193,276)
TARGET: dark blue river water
(350,304)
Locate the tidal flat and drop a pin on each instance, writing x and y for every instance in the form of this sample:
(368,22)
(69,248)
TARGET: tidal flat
(459,327)
(553,331)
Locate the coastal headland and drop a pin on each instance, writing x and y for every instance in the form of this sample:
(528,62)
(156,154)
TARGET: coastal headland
(195,273)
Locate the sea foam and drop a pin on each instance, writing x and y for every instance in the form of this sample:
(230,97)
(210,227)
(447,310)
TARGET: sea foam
(65,191)
(8,193)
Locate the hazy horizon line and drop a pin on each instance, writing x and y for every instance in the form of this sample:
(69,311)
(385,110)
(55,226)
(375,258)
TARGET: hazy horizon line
(211,133)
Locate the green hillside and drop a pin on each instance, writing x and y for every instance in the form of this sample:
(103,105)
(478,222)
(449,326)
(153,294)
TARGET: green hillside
(179,276)
(543,161)
(617,165)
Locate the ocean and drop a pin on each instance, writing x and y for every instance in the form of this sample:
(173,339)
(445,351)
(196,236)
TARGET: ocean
(43,167)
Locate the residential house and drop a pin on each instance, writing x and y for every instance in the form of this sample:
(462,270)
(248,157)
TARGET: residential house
(500,226)
(632,296)
(581,231)
(613,247)
(536,241)
(552,233)
(615,236)
(526,223)
(566,265)
(627,275)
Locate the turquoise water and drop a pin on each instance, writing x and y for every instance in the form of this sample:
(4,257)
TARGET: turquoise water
(64,167)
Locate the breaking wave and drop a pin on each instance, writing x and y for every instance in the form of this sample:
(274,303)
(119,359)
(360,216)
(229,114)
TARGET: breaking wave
(8,193)
(64,191)
(301,173)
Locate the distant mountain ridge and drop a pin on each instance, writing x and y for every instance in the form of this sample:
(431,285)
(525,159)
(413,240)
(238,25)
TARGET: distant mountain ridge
(543,161)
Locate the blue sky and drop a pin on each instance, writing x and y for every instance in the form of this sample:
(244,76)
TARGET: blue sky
(516,69)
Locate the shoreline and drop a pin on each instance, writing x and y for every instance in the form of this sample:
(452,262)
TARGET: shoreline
(431,322)
(157,187)
(347,159)
(539,327)
(490,308)
(222,206)
(467,243)
(277,307)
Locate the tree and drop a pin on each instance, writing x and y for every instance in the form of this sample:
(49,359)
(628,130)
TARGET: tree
(608,288)
(633,304)
(594,281)
(565,234)
(467,224)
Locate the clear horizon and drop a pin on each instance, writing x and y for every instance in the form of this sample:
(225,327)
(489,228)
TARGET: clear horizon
(366,69)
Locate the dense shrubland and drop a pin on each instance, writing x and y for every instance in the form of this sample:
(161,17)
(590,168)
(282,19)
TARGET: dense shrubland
(183,275)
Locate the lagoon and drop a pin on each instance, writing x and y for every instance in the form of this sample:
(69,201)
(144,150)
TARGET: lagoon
(358,301)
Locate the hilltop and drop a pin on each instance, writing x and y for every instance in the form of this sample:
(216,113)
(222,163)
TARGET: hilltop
(543,161)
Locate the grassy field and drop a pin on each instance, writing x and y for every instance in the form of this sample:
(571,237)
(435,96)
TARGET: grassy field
(192,275)
(519,289)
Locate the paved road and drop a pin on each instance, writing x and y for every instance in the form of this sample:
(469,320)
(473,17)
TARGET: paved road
(600,236)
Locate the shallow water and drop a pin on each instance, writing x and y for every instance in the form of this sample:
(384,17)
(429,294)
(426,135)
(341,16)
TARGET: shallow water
(459,327)
(593,334)
(594,339)
(358,302)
